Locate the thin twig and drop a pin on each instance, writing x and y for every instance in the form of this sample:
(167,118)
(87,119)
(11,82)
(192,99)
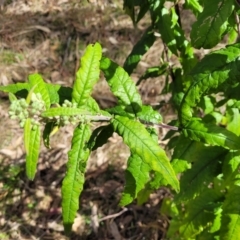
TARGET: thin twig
(113,215)
(237,22)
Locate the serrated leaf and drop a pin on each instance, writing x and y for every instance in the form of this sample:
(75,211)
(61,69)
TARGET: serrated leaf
(195,180)
(218,69)
(32,145)
(230,224)
(211,134)
(74,179)
(230,168)
(148,115)
(166,30)
(64,111)
(233,119)
(136,176)
(211,23)
(120,110)
(87,75)
(140,143)
(200,213)
(139,49)
(121,86)
(185,152)
(36,82)
(53,90)
(92,105)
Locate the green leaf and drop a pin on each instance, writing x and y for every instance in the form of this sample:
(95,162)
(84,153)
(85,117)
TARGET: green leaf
(185,152)
(12,97)
(233,119)
(193,5)
(211,23)
(140,143)
(136,176)
(166,30)
(32,139)
(230,168)
(148,115)
(87,75)
(128,6)
(195,180)
(74,179)
(47,132)
(36,82)
(154,72)
(92,105)
(27,132)
(139,49)
(217,69)
(14,88)
(121,86)
(230,225)
(64,111)
(200,214)
(100,136)
(144,6)
(65,93)
(53,90)
(211,134)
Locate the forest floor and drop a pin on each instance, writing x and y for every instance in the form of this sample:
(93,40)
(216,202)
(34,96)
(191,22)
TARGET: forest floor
(49,37)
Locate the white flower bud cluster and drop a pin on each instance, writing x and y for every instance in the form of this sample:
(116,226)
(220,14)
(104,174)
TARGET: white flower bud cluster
(65,120)
(21,110)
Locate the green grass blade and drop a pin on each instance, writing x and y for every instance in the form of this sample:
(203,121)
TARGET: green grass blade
(87,75)
(140,143)
(39,86)
(74,179)
(139,49)
(121,86)
(211,134)
(211,23)
(219,69)
(32,139)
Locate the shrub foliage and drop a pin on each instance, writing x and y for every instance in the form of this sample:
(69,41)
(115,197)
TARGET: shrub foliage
(203,171)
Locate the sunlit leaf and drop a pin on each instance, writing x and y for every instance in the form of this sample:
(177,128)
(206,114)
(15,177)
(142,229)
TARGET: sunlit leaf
(74,179)
(87,75)
(122,86)
(211,134)
(141,144)
(211,23)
